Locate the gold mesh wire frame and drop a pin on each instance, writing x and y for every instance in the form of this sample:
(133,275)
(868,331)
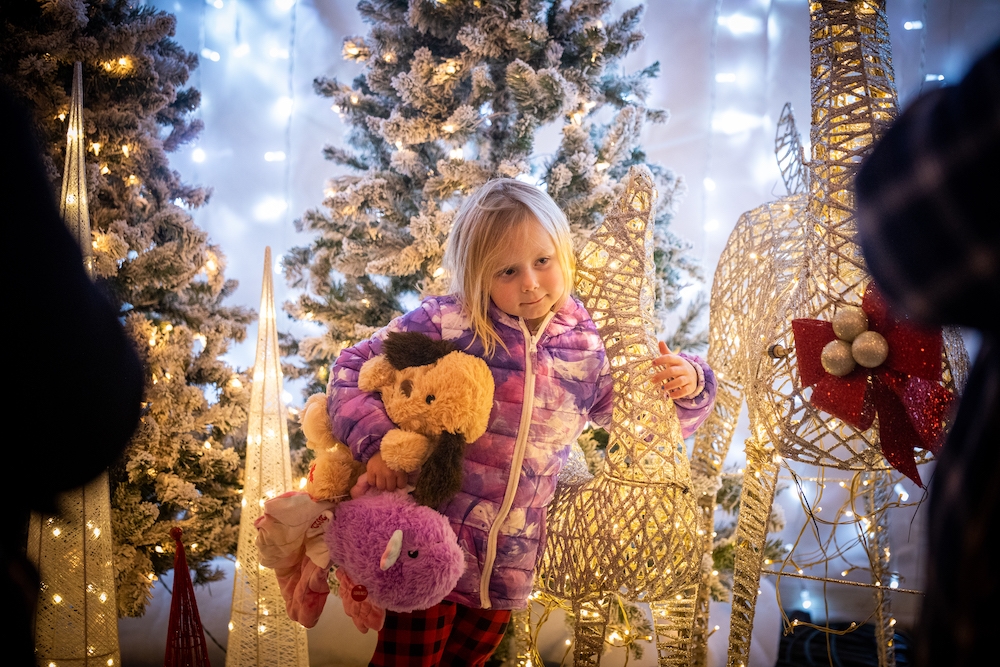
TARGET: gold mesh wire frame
(260,632)
(877,496)
(633,529)
(796,258)
(76,622)
(788,150)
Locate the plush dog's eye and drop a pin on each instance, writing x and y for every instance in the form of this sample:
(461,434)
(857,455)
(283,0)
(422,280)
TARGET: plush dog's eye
(412,554)
(429,399)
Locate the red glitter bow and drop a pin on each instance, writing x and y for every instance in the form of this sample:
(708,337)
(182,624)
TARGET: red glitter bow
(905,390)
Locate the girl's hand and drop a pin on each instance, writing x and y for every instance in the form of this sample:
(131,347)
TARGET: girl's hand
(382,477)
(676,375)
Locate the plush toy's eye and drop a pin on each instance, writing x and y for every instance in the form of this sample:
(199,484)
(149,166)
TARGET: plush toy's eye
(412,554)
(430,398)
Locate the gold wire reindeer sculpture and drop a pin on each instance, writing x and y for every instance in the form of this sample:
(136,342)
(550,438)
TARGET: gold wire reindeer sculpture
(631,532)
(791,273)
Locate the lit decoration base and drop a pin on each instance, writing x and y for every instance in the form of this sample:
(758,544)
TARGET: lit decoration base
(76,623)
(796,258)
(631,532)
(260,632)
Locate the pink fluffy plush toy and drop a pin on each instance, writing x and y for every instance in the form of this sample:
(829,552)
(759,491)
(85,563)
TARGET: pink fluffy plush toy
(391,553)
(409,557)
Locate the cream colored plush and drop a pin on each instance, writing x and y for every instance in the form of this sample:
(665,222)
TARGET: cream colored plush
(334,471)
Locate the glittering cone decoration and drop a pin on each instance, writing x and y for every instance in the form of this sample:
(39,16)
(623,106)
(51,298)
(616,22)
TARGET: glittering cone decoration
(73,204)
(796,258)
(631,530)
(260,633)
(185,635)
(76,622)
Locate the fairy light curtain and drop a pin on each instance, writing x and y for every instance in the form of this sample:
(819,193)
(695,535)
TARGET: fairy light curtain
(795,259)
(260,632)
(76,622)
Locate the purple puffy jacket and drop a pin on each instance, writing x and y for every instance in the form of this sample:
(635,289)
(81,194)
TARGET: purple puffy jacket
(548,386)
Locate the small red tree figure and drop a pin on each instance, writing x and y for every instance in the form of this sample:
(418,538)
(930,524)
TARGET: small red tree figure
(185,636)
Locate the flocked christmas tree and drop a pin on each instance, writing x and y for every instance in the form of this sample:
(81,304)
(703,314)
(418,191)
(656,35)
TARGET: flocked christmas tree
(454,93)
(179,469)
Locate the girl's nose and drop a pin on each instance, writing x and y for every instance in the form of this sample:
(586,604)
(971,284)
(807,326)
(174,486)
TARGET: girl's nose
(529,283)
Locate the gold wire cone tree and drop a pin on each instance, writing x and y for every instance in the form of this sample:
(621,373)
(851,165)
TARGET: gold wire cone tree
(76,622)
(160,271)
(796,259)
(260,633)
(632,531)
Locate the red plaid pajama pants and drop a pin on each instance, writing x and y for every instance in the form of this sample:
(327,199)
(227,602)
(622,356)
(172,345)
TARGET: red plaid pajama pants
(446,634)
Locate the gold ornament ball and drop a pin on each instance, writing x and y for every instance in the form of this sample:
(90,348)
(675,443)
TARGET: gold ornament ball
(837,358)
(870,349)
(849,323)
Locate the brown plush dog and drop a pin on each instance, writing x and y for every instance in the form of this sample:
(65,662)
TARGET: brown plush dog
(440,398)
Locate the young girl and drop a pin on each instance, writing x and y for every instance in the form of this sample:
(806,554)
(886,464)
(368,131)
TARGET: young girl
(512,265)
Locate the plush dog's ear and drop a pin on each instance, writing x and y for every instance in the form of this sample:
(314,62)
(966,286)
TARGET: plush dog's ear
(405,349)
(376,373)
(441,475)
(315,423)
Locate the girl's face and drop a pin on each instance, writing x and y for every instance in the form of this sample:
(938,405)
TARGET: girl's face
(531,283)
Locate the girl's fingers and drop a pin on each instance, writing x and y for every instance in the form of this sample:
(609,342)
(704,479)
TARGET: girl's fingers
(671,371)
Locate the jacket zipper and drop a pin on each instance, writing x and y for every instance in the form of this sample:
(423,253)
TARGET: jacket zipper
(515,465)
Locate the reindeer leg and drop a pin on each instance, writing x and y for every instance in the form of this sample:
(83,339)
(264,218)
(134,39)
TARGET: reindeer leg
(591,626)
(759,479)
(711,444)
(521,649)
(878,494)
(673,623)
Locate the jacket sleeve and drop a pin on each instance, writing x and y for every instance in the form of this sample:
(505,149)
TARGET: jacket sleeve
(600,412)
(694,410)
(358,418)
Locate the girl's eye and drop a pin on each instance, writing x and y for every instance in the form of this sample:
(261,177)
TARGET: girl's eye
(544,260)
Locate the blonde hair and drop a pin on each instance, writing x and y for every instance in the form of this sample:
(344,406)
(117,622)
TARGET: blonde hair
(476,246)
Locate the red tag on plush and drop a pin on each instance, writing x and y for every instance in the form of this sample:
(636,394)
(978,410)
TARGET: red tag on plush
(359,593)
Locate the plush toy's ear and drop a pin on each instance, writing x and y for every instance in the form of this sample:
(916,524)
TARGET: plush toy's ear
(315,421)
(441,475)
(405,349)
(376,373)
